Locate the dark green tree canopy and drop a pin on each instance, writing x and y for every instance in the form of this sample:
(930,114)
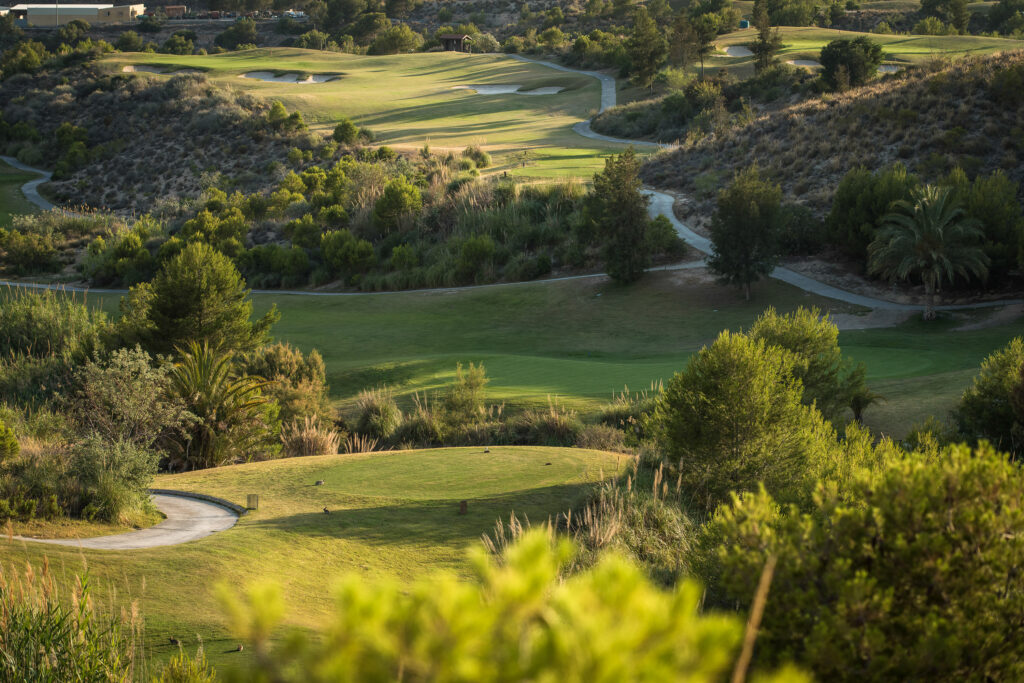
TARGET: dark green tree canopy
(198,296)
(744,230)
(849,63)
(620,210)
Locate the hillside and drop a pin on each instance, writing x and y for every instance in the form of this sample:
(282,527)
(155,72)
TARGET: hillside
(931,119)
(143,140)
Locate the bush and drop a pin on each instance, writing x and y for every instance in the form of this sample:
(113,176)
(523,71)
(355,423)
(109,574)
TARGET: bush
(464,398)
(241,33)
(309,437)
(346,132)
(400,201)
(516,620)
(8,445)
(992,408)
(555,426)
(733,419)
(297,383)
(61,640)
(913,581)
(861,200)
(113,477)
(124,398)
(479,157)
(379,415)
(28,254)
(601,437)
(849,63)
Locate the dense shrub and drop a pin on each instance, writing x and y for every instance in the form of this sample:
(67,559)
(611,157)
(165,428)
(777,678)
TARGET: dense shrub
(916,580)
(61,637)
(861,200)
(309,437)
(111,478)
(298,383)
(516,620)
(733,418)
(849,62)
(379,415)
(992,408)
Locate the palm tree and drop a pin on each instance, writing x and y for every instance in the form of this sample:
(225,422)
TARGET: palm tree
(231,418)
(929,238)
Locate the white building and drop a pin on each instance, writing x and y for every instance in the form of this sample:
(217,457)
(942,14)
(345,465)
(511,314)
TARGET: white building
(58,14)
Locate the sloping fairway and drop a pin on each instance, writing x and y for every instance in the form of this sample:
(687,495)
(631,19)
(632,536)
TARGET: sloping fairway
(393,515)
(806,43)
(413,99)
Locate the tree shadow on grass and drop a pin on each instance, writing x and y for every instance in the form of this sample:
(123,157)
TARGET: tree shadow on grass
(429,522)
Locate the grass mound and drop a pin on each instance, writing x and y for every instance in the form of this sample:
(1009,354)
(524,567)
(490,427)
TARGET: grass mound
(391,514)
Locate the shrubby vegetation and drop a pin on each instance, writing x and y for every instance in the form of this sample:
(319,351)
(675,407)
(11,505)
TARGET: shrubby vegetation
(371,221)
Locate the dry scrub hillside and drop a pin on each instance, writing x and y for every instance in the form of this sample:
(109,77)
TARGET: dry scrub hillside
(970,113)
(147,138)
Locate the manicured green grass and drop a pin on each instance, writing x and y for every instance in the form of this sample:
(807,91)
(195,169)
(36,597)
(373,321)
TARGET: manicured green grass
(410,100)
(393,515)
(806,43)
(580,341)
(12,201)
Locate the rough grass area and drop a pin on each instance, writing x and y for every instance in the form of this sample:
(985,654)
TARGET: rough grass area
(930,119)
(409,100)
(12,200)
(393,515)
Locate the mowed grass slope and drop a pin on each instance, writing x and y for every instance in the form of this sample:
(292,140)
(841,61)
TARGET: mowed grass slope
(410,100)
(393,516)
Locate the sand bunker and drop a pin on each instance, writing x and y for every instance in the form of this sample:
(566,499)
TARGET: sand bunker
(888,69)
(509,90)
(738,51)
(136,68)
(289,77)
(810,63)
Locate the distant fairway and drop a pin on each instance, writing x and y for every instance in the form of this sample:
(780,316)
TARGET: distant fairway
(412,99)
(806,43)
(393,516)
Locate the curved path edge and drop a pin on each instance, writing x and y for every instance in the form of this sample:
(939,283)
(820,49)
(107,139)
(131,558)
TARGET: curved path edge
(190,516)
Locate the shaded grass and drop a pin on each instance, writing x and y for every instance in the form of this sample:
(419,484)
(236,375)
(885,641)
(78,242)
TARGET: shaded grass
(12,201)
(393,515)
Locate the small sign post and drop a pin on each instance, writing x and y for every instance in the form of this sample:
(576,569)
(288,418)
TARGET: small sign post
(252,501)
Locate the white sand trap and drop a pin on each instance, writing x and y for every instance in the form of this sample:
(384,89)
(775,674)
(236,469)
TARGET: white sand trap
(289,77)
(509,90)
(888,69)
(136,68)
(738,51)
(810,63)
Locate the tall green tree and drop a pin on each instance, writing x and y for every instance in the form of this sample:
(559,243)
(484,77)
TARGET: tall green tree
(705,30)
(620,210)
(197,296)
(647,47)
(744,230)
(992,408)
(768,41)
(929,239)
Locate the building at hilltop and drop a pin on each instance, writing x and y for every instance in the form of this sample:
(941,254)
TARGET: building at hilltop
(60,14)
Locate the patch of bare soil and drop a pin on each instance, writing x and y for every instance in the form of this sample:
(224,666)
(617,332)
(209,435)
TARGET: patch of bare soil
(873,320)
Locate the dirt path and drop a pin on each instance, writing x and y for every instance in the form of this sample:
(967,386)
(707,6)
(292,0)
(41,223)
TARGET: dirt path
(188,519)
